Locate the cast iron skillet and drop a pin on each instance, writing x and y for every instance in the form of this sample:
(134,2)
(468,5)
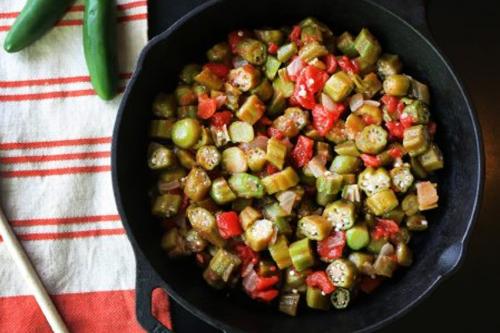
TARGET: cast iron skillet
(438,251)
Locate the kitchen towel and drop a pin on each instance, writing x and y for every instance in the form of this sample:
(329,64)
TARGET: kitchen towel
(55,180)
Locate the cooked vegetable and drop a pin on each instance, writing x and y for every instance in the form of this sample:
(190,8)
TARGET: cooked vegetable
(298,145)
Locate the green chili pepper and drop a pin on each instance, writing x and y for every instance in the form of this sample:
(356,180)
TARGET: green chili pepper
(99,44)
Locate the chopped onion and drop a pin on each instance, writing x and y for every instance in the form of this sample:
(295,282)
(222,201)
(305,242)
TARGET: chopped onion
(239,62)
(165,187)
(387,250)
(250,281)
(316,166)
(295,67)
(372,102)
(356,102)
(327,102)
(287,200)
(248,269)
(220,100)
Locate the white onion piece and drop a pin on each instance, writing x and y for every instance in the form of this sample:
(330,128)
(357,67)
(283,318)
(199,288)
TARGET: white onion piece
(220,100)
(295,67)
(165,187)
(316,166)
(327,102)
(239,62)
(387,250)
(372,102)
(356,102)
(248,269)
(250,280)
(287,200)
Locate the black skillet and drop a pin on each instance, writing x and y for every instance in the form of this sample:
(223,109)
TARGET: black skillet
(401,27)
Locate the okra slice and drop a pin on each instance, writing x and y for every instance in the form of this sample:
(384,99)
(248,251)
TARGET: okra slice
(185,95)
(314,227)
(372,139)
(270,36)
(209,79)
(234,160)
(396,85)
(370,86)
(397,215)
(382,202)
(286,52)
(276,152)
(329,183)
(347,148)
(205,224)
(289,304)
(420,91)
(352,193)
(341,214)
(208,157)
(404,255)
(264,90)
(160,157)
(384,266)
(168,176)
(256,159)
(197,184)
(220,191)
(402,178)
(371,112)
(367,46)
(372,180)
(241,203)
(195,242)
(187,111)
(259,235)
(362,261)
(220,52)
(277,104)
(248,216)
(311,33)
(342,273)
(338,86)
(280,181)
(376,245)
(189,72)
(166,205)
(301,254)
(241,131)
(232,96)
(174,243)
(418,111)
(340,298)
(416,140)
(357,237)
(252,110)
(252,50)
(410,204)
(246,185)
(224,264)
(417,222)
(164,105)
(244,78)
(220,135)
(185,157)
(161,128)
(279,253)
(345,43)
(344,164)
(312,50)
(389,64)
(283,84)
(315,299)
(271,67)
(432,159)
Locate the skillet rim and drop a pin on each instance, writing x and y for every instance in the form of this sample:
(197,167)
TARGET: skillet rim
(441,276)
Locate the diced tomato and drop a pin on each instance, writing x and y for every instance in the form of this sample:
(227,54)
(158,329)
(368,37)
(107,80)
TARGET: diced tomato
(295,34)
(229,224)
(390,102)
(265,121)
(332,247)
(406,120)
(368,120)
(295,67)
(267,295)
(369,284)
(348,65)
(385,228)
(303,97)
(272,48)
(370,160)
(247,256)
(303,151)
(331,63)
(206,106)
(270,169)
(313,78)
(399,109)
(264,283)
(275,133)
(323,120)
(235,37)
(396,129)
(220,70)
(222,118)
(431,127)
(396,152)
(320,280)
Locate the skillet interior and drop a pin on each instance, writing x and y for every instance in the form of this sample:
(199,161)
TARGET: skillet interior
(437,250)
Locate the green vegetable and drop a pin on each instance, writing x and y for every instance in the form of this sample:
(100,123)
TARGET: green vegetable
(280,181)
(197,184)
(402,178)
(160,157)
(417,169)
(195,242)
(420,91)
(410,204)
(99,45)
(384,266)
(367,46)
(361,260)
(396,85)
(204,223)
(186,133)
(389,64)
(166,205)
(220,192)
(252,50)
(376,245)
(416,140)
(357,237)
(187,111)
(209,79)
(208,157)
(246,185)
(189,72)
(341,213)
(256,159)
(347,148)
(418,111)
(312,50)
(404,255)
(36,18)
(340,298)
(277,104)
(314,227)
(244,78)
(220,52)
(338,86)
(417,222)
(271,67)
(276,152)
(345,43)
(286,52)
(316,300)
(344,164)
(161,129)
(289,303)
(173,174)
(432,159)
(224,264)
(301,254)
(372,139)
(397,215)
(342,273)
(248,216)
(252,110)
(264,90)
(283,84)
(372,180)
(164,105)
(382,202)
(270,36)
(259,234)
(351,193)
(234,160)
(241,131)
(185,157)
(279,253)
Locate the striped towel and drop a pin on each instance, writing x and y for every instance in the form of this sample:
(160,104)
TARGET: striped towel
(55,181)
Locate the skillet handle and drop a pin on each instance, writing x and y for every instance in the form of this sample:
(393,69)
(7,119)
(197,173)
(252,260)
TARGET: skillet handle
(412,11)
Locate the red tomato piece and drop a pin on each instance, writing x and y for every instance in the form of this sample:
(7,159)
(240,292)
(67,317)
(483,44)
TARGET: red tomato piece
(313,78)
(206,106)
(320,280)
(303,97)
(222,118)
(270,169)
(332,247)
(303,151)
(368,120)
(220,70)
(229,224)
(385,228)
(369,284)
(272,48)
(396,129)
(235,37)
(390,102)
(267,295)
(432,127)
(406,120)
(323,120)
(331,63)
(370,160)
(264,283)
(295,35)
(275,133)
(395,152)
(348,65)
(265,121)
(247,256)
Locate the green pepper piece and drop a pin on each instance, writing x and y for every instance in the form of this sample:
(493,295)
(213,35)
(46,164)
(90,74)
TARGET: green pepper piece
(189,72)
(343,164)
(301,254)
(341,213)
(416,140)
(252,50)
(342,273)
(286,52)
(289,304)
(161,129)
(340,298)
(220,52)
(164,105)
(160,157)
(279,252)
(372,139)
(382,202)
(166,205)
(246,185)
(197,184)
(357,237)
(315,299)
(99,45)
(367,46)
(339,86)
(432,159)
(345,43)
(389,64)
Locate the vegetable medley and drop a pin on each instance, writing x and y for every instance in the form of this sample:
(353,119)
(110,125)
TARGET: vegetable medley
(294,165)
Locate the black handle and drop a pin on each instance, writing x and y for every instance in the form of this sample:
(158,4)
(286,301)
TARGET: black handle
(412,11)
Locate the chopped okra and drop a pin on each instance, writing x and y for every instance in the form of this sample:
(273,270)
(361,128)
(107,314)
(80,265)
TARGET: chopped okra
(294,163)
